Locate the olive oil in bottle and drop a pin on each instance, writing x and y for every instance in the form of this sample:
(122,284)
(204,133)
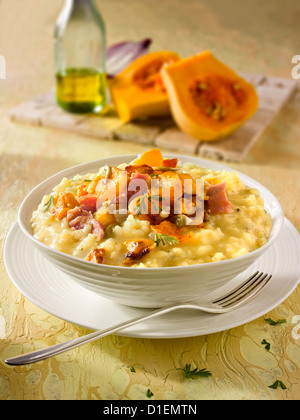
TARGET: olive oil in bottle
(81,90)
(80,52)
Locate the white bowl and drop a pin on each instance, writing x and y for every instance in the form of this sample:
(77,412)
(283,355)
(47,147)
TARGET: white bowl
(148,287)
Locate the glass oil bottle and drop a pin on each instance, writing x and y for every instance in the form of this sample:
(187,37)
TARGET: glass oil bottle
(80,58)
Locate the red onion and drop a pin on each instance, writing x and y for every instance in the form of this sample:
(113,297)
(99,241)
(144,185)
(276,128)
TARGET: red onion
(120,55)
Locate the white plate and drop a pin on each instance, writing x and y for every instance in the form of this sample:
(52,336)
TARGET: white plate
(44,285)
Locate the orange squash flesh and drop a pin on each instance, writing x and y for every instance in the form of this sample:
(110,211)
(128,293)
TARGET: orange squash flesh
(138,91)
(208,100)
(151,157)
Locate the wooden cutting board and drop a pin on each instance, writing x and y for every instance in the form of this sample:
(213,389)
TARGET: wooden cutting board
(273,93)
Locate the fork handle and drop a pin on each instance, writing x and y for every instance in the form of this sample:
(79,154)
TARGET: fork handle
(38,355)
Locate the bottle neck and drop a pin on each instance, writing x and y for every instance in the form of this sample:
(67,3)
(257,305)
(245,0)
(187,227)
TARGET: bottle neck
(80,9)
(79,4)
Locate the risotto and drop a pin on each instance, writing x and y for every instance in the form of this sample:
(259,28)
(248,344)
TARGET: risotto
(153,212)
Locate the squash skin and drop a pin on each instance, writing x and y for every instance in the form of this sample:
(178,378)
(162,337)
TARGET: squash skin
(177,79)
(131,96)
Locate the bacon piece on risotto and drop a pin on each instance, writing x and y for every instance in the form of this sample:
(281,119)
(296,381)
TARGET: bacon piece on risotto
(217,199)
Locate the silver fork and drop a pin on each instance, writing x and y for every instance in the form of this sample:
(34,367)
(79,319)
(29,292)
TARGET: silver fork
(221,305)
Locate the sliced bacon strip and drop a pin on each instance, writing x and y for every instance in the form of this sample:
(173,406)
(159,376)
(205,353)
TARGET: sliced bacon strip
(88,202)
(141,169)
(170,163)
(137,175)
(217,199)
(78,218)
(139,183)
(80,222)
(76,212)
(97,229)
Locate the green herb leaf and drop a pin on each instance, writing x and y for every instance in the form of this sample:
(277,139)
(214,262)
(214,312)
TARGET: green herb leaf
(195,373)
(268,345)
(141,204)
(165,239)
(140,207)
(272,322)
(49,204)
(132,369)
(149,393)
(276,384)
(152,199)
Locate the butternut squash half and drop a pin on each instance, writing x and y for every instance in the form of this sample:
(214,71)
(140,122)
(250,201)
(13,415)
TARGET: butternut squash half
(138,91)
(209,101)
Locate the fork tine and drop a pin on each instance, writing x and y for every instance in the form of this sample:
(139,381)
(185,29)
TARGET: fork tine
(238,288)
(248,291)
(243,289)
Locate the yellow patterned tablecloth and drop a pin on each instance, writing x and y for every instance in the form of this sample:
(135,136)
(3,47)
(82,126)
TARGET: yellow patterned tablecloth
(252,37)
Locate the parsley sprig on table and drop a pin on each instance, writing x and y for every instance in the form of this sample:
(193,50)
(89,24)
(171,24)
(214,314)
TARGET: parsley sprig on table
(267,344)
(149,393)
(195,373)
(276,384)
(165,239)
(272,322)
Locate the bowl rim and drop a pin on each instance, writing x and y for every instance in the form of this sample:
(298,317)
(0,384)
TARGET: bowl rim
(186,159)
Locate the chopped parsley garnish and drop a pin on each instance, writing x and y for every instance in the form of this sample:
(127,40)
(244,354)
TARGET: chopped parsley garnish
(165,239)
(132,369)
(195,373)
(276,384)
(149,393)
(49,203)
(272,322)
(152,199)
(267,344)
(142,207)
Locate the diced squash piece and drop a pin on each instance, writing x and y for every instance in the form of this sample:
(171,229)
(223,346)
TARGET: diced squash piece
(104,218)
(151,157)
(63,203)
(171,230)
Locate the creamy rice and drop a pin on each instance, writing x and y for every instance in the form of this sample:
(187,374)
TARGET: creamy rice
(221,236)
